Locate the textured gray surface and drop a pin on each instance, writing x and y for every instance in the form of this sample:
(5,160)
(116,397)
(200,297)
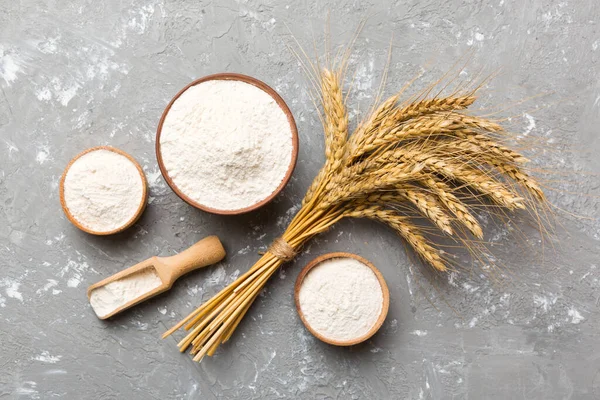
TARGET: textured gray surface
(75,76)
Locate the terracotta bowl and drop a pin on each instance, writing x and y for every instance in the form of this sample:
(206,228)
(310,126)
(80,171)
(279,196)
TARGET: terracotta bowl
(133,219)
(384,289)
(259,84)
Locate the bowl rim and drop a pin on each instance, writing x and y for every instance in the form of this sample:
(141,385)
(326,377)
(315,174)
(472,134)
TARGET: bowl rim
(384,289)
(138,212)
(280,102)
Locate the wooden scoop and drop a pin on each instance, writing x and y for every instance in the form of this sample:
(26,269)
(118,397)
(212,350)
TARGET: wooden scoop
(157,273)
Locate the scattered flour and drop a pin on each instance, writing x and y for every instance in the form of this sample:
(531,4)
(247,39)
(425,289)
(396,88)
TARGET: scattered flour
(45,357)
(108,298)
(341,299)
(11,288)
(49,285)
(226,144)
(74,281)
(9,66)
(27,388)
(42,156)
(530,124)
(576,317)
(473,322)
(245,250)
(75,270)
(103,190)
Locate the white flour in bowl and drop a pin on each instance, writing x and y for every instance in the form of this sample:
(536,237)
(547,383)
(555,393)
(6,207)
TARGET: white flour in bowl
(103,190)
(226,144)
(341,299)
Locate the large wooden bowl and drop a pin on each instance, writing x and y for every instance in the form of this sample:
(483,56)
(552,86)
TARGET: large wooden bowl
(384,290)
(131,221)
(259,84)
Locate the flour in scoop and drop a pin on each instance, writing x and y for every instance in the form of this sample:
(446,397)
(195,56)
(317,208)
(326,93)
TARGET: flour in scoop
(103,190)
(341,299)
(108,298)
(226,144)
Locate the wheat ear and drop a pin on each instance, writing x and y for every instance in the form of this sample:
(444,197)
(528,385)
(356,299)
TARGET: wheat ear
(433,105)
(390,134)
(429,206)
(426,203)
(336,117)
(456,207)
(371,126)
(520,177)
(405,229)
(335,127)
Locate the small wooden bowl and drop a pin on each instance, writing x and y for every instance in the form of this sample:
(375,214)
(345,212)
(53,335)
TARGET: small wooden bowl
(271,92)
(133,219)
(384,290)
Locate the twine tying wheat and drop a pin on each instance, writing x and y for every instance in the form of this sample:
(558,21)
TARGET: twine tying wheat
(424,159)
(282,250)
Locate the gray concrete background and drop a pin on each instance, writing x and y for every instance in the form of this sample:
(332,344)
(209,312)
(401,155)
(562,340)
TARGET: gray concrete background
(76,75)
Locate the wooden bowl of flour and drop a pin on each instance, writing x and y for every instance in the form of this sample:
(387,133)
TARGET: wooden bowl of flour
(336,305)
(174,174)
(103,191)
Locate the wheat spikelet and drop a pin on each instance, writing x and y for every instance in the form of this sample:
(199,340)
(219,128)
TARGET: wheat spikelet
(429,125)
(390,134)
(405,229)
(478,180)
(390,127)
(434,105)
(369,128)
(357,184)
(489,146)
(473,177)
(310,192)
(336,117)
(472,150)
(414,160)
(427,204)
(430,207)
(460,210)
(335,127)
(520,177)
(470,121)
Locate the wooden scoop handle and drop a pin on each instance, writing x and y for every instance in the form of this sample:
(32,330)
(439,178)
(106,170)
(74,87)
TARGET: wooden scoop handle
(206,252)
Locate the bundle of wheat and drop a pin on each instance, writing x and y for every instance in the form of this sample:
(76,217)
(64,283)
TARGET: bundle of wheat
(423,157)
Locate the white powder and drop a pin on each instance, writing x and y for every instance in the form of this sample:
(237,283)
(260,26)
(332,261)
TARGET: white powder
(226,144)
(103,190)
(108,298)
(341,299)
